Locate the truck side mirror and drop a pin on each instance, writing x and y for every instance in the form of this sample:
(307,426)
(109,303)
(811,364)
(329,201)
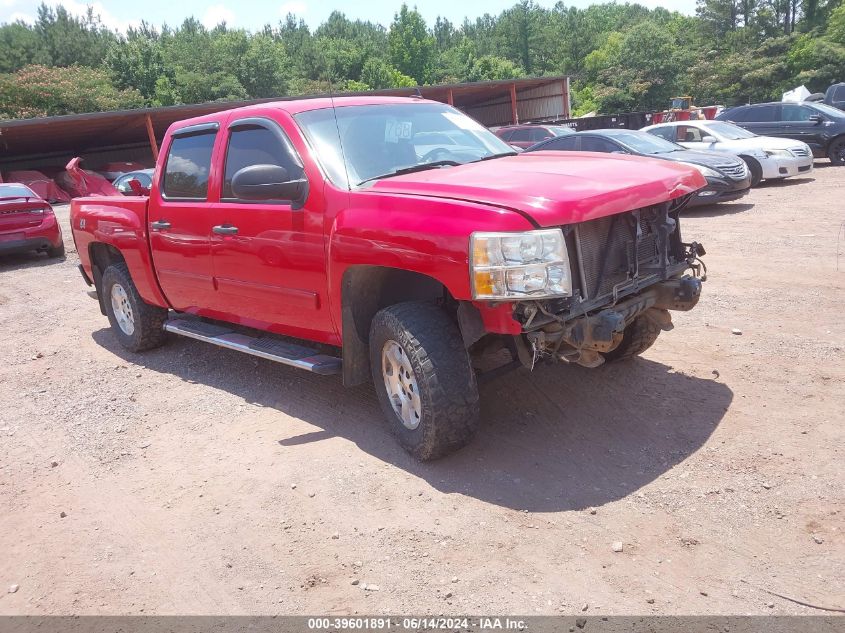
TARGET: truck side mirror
(708,139)
(266,182)
(816,118)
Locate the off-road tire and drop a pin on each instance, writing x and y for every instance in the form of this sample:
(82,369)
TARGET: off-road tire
(754,169)
(56,251)
(638,336)
(446,381)
(148,319)
(836,152)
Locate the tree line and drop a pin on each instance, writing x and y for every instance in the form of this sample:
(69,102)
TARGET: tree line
(622,57)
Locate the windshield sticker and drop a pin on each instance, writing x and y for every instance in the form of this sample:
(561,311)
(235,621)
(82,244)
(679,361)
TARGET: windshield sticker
(396,130)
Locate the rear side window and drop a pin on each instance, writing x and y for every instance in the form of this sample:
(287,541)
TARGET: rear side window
(505,135)
(839,93)
(188,166)
(256,145)
(596,144)
(760,114)
(562,143)
(668,133)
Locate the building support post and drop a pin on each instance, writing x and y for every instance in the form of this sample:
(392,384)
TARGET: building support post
(151,133)
(514,114)
(564,90)
(450,98)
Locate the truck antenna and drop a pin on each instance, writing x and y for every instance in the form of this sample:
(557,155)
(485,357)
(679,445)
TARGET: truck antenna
(339,138)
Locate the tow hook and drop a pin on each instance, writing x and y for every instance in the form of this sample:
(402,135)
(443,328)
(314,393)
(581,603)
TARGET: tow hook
(693,254)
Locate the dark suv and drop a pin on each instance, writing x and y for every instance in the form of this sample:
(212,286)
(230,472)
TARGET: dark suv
(820,126)
(835,96)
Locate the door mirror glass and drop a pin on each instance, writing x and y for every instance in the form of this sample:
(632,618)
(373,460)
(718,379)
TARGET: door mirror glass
(708,139)
(266,182)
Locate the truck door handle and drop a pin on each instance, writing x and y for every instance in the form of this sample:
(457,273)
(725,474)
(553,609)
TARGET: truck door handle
(225,229)
(160,225)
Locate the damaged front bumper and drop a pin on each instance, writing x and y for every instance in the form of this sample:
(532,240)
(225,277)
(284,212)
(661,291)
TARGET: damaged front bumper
(584,339)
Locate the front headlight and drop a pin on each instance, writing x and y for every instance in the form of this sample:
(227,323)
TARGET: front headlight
(533,264)
(705,171)
(780,153)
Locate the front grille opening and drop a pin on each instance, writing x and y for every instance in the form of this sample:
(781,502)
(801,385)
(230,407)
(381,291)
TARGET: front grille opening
(612,252)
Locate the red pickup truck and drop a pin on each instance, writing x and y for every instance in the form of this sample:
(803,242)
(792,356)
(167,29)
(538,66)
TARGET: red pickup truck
(393,240)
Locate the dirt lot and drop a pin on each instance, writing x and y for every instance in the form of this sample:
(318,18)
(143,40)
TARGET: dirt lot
(197,480)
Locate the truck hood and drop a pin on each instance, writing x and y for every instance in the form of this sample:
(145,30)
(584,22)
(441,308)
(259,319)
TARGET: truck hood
(554,188)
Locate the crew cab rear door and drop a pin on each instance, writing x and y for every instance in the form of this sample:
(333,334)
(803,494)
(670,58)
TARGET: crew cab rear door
(180,219)
(269,255)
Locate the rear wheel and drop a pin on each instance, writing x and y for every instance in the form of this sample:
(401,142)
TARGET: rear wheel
(137,325)
(422,374)
(755,170)
(637,337)
(836,153)
(56,251)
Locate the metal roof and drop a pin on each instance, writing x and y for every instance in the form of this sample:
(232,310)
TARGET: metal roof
(78,133)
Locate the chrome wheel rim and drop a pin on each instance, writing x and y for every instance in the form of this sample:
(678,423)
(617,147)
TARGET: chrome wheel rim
(122,309)
(401,384)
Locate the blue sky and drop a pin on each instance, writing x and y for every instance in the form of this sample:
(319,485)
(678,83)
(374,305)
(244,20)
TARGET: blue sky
(255,13)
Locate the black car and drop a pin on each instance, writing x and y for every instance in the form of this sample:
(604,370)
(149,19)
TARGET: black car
(727,176)
(143,176)
(819,125)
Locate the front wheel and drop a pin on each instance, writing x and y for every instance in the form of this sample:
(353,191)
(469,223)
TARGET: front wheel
(137,325)
(754,169)
(637,337)
(836,153)
(424,380)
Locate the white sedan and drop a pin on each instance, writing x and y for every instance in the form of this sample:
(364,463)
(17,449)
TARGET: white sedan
(767,157)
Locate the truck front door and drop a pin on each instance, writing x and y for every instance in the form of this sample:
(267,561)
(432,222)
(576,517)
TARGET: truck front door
(180,219)
(269,255)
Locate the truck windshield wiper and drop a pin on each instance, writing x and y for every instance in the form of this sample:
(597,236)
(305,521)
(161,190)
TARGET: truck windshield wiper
(492,156)
(412,169)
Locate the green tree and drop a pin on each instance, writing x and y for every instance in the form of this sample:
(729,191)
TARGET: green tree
(412,47)
(19,47)
(37,91)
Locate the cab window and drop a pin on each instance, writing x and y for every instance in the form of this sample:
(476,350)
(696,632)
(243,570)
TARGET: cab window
(254,144)
(188,165)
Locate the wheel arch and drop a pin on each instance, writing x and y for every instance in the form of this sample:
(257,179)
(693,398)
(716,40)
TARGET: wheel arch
(365,290)
(101,256)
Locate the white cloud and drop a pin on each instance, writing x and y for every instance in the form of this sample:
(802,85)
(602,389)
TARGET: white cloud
(215,14)
(297,7)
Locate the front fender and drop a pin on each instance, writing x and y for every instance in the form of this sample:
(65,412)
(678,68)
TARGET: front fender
(423,235)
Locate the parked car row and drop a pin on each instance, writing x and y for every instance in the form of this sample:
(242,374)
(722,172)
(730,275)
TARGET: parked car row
(61,184)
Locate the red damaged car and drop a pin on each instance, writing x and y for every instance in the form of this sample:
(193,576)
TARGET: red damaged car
(393,240)
(27,222)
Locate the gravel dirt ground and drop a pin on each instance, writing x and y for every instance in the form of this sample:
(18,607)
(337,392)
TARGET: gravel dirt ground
(196,480)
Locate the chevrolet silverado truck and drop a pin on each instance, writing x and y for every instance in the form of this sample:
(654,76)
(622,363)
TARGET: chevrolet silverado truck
(393,240)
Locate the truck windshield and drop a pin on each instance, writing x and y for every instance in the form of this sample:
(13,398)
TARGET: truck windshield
(369,141)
